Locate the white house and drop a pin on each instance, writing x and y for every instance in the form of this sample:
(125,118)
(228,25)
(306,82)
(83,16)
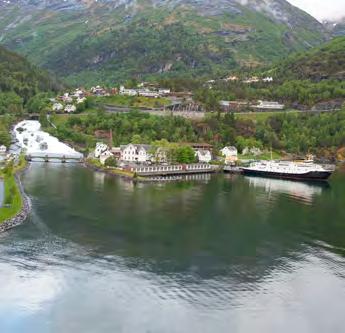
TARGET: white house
(266,105)
(268,79)
(230,154)
(135,153)
(164,91)
(148,93)
(203,155)
(3,149)
(57,107)
(100,149)
(128,92)
(70,108)
(81,100)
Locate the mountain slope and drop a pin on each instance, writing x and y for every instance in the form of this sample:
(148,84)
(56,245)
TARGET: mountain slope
(19,76)
(102,41)
(324,62)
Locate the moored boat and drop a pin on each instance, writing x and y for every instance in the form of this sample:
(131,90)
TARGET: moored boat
(288,170)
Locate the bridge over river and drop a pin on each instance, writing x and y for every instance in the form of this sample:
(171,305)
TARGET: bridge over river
(54,157)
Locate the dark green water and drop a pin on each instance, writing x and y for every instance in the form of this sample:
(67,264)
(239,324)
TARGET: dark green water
(221,254)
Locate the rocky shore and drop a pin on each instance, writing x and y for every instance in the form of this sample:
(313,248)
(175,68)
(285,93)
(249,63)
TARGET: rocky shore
(22,215)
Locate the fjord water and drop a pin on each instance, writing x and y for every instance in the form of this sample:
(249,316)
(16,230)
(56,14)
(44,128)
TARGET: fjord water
(218,254)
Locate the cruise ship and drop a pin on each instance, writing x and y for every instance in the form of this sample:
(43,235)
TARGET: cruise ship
(288,170)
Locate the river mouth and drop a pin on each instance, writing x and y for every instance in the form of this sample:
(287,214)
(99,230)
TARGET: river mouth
(104,254)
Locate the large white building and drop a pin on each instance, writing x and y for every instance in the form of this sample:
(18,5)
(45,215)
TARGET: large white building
(135,153)
(230,154)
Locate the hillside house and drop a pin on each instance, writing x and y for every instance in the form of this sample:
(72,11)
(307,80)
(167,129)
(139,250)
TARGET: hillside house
(148,93)
(164,92)
(136,153)
(100,149)
(128,92)
(230,154)
(57,107)
(204,156)
(265,105)
(70,108)
(3,150)
(268,79)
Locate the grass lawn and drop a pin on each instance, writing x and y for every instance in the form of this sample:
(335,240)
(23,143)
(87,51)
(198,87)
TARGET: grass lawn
(260,116)
(12,198)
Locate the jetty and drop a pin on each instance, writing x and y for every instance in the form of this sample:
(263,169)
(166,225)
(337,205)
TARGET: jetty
(173,170)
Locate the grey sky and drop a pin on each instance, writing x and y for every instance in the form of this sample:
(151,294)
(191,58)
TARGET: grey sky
(322,9)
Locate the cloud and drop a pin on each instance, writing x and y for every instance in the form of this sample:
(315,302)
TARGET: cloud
(322,9)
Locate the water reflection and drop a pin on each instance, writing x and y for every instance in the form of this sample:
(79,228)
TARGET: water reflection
(300,191)
(100,255)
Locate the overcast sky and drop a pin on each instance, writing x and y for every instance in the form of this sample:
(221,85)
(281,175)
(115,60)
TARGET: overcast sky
(322,9)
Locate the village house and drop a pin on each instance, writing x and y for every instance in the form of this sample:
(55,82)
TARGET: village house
(70,108)
(104,156)
(203,156)
(3,150)
(57,107)
(265,105)
(67,98)
(128,92)
(135,153)
(164,92)
(230,154)
(253,79)
(268,79)
(148,93)
(100,149)
(81,100)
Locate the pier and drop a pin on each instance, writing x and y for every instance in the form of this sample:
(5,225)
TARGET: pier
(171,170)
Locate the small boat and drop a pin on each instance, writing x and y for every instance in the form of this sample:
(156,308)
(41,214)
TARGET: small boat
(288,170)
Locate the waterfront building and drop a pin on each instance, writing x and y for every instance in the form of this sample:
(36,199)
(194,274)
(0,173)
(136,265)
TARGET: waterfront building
(230,154)
(136,153)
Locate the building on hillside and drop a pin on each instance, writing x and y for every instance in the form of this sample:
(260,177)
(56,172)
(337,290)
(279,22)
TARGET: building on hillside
(268,79)
(136,153)
(81,100)
(266,105)
(148,93)
(70,108)
(99,91)
(253,79)
(57,107)
(67,98)
(164,92)
(203,155)
(3,150)
(230,154)
(128,92)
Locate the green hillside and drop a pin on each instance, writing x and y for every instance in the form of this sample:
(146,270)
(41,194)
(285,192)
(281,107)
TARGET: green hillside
(324,62)
(97,42)
(19,77)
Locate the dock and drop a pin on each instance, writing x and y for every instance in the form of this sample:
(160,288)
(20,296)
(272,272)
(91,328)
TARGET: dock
(174,170)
